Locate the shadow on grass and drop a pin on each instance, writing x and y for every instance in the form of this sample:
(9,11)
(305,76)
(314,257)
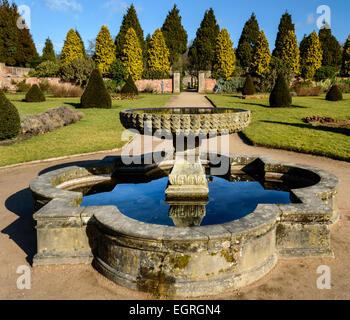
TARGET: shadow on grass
(344,131)
(22,231)
(76,105)
(268,107)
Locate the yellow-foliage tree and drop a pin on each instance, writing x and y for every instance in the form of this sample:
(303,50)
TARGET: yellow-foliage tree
(346,58)
(72,48)
(311,55)
(261,56)
(132,55)
(225,57)
(158,54)
(290,52)
(105,50)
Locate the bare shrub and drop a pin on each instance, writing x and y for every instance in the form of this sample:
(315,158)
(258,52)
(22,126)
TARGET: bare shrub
(308,92)
(50,120)
(66,91)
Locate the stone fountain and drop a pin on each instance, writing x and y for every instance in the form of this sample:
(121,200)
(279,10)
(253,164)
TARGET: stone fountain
(186,259)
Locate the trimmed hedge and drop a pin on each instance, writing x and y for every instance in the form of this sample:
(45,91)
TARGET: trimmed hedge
(280,96)
(249,88)
(96,94)
(35,95)
(334,94)
(129,90)
(9,119)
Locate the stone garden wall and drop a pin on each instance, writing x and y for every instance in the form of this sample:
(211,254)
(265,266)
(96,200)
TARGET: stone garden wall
(155,84)
(210,84)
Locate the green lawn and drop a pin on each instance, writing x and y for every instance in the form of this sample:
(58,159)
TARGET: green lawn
(100,129)
(283,128)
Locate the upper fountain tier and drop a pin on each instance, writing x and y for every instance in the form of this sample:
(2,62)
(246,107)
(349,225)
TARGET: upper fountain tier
(197,121)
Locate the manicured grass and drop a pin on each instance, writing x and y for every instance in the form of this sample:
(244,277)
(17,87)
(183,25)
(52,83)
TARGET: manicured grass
(283,128)
(100,129)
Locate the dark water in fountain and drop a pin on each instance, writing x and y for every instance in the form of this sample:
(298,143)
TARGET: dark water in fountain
(228,201)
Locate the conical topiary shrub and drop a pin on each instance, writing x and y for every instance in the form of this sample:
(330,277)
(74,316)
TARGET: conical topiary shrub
(280,95)
(96,94)
(249,88)
(129,90)
(35,95)
(10,122)
(334,94)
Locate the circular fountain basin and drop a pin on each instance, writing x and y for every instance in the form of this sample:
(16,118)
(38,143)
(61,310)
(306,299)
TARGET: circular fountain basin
(183,261)
(196,121)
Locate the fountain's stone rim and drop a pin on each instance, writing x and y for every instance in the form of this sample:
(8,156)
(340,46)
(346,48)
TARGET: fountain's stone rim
(202,123)
(311,209)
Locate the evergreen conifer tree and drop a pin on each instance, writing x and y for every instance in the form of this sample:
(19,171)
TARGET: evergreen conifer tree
(72,48)
(284,27)
(346,58)
(158,54)
(132,55)
(261,56)
(175,35)
(225,57)
(248,39)
(202,52)
(105,50)
(310,55)
(290,52)
(332,53)
(130,20)
(48,51)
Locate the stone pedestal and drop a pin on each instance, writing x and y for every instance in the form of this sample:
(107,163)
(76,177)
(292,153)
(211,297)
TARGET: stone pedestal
(187,180)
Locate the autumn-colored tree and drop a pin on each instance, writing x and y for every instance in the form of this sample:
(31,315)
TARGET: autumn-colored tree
(130,20)
(310,55)
(158,54)
(284,27)
(346,58)
(249,37)
(261,56)
(72,48)
(105,50)
(48,51)
(132,55)
(225,57)
(290,52)
(175,35)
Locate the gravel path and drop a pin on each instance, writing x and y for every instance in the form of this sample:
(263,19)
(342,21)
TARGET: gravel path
(189,99)
(290,279)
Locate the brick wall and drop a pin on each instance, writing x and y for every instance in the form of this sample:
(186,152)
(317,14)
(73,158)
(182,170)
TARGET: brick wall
(210,84)
(155,84)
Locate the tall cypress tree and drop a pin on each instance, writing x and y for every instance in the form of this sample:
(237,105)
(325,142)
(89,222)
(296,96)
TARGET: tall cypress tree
(332,53)
(105,50)
(225,57)
(27,54)
(81,42)
(291,53)
(261,56)
(247,41)
(284,27)
(48,51)
(158,54)
(174,34)
(72,48)
(346,58)
(202,52)
(16,45)
(130,20)
(310,55)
